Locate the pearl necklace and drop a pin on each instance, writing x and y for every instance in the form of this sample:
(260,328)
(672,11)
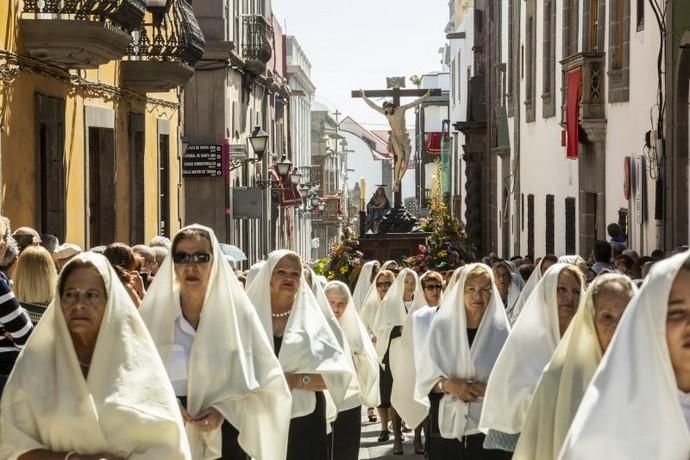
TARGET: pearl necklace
(281,315)
(85,366)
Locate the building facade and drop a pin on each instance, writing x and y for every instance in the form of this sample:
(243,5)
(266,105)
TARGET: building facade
(563,133)
(240,85)
(302,91)
(91,117)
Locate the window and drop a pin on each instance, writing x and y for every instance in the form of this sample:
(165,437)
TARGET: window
(50,165)
(511,59)
(458,75)
(550,225)
(593,25)
(619,51)
(137,149)
(453,82)
(102,167)
(570,27)
(530,64)
(640,15)
(549,60)
(570,225)
(617,34)
(164,185)
(530,225)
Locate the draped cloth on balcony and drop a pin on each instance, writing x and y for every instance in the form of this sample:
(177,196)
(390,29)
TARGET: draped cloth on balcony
(572,120)
(125,406)
(231,366)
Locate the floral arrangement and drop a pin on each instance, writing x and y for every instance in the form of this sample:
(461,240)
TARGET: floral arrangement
(344,261)
(447,247)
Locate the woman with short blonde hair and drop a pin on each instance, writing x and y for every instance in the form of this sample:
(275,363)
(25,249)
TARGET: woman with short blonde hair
(35,281)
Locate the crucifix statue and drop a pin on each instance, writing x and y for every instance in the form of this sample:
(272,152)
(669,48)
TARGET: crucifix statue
(399,143)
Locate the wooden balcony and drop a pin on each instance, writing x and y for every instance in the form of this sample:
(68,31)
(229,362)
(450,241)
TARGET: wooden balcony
(79,34)
(163,51)
(257,48)
(592,85)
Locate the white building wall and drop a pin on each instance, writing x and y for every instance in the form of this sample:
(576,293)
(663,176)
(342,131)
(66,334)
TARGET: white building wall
(627,123)
(299,74)
(544,168)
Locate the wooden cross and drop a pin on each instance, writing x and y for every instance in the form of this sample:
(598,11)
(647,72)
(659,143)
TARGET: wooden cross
(396,94)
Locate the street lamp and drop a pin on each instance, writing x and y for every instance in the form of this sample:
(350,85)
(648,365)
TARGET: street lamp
(315,201)
(322,206)
(296,176)
(258,139)
(283,167)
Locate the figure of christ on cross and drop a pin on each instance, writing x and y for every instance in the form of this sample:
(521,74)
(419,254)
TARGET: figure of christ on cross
(399,143)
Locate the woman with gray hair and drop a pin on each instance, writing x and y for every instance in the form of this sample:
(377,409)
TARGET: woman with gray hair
(347,427)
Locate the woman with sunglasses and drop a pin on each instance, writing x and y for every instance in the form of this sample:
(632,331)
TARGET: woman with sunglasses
(379,288)
(405,354)
(232,393)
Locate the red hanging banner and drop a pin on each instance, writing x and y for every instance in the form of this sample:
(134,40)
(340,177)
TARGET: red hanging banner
(572,120)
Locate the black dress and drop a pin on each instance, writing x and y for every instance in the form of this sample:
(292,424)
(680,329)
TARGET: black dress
(307,438)
(347,432)
(386,376)
(231,447)
(469,448)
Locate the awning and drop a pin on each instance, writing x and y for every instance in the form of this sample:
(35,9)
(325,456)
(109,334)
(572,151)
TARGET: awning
(290,194)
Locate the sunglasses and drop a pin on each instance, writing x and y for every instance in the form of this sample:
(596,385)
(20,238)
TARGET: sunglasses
(430,287)
(384,285)
(196,258)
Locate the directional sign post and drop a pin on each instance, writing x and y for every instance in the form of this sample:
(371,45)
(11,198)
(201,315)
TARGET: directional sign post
(202,161)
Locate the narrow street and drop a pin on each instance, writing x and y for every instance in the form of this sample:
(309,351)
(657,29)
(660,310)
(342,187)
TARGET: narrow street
(372,450)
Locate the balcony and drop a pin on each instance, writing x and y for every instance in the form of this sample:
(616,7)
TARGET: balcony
(79,34)
(257,47)
(592,67)
(163,51)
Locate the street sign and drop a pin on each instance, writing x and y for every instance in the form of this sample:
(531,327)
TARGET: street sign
(247,203)
(202,161)
(238,152)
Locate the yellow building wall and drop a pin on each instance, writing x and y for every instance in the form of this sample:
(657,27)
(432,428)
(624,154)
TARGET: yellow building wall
(18,175)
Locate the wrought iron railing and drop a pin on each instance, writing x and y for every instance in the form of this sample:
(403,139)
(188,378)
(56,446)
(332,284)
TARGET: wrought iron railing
(126,14)
(174,36)
(258,33)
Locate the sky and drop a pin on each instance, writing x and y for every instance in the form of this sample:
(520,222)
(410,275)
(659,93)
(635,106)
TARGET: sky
(356,44)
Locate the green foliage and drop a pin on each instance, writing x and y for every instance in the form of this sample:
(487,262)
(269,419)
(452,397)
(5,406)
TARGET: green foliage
(448,246)
(343,263)
(416,80)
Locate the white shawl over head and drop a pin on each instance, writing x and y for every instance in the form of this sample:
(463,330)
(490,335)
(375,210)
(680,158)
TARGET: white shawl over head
(529,286)
(392,311)
(514,289)
(450,354)
(405,354)
(632,409)
(125,407)
(309,345)
(363,283)
(353,390)
(251,274)
(528,349)
(564,381)
(454,278)
(231,366)
(371,305)
(363,354)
